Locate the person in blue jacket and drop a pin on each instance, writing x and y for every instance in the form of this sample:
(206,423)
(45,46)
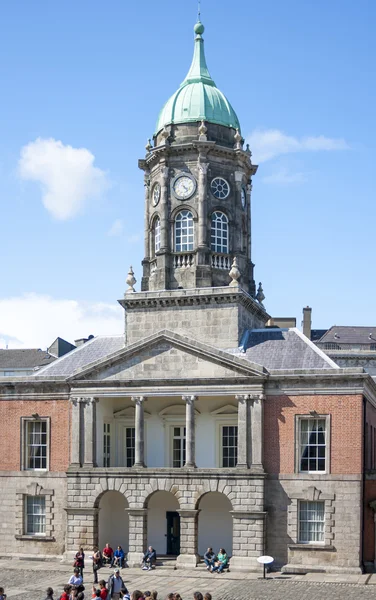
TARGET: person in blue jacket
(150,558)
(118,558)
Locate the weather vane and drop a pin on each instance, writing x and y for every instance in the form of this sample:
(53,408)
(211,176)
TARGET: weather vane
(199,9)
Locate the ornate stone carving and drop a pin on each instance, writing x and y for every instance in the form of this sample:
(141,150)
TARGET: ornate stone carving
(148,146)
(130,281)
(165,172)
(138,400)
(234,274)
(238,140)
(202,132)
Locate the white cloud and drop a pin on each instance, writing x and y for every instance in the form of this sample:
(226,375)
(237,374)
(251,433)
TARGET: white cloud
(116,228)
(269,143)
(284,177)
(34,321)
(67,175)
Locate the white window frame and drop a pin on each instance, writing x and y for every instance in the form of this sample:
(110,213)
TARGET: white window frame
(184,226)
(219,242)
(107,425)
(182,426)
(42,500)
(225,420)
(157,234)
(313,504)
(25,421)
(130,426)
(298,421)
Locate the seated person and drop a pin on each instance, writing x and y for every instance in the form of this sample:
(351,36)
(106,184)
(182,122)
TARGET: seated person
(119,558)
(222,561)
(150,558)
(209,558)
(76,578)
(107,554)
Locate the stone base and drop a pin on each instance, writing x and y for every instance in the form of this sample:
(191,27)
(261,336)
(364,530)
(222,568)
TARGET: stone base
(293,569)
(134,559)
(245,564)
(187,561)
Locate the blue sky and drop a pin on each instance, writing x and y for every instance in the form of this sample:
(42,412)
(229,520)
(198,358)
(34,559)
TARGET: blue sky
(87,79)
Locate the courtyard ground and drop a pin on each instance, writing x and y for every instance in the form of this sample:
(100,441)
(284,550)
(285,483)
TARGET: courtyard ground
(29,580)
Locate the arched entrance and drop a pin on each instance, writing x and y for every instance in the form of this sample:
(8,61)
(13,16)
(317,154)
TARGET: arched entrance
(113,521)
(163,523)
(214,523)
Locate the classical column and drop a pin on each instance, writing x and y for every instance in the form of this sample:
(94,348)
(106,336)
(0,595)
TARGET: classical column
(147,250)
(76,420)
(202,168)
(188,556)
(139,433)
(164,209)
(90,441)
(189,431)
(257,431)
(243,431)
(137,535)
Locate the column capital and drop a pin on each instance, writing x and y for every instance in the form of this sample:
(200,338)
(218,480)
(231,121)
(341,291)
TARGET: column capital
(138,399)
(242,397)
(189,399)
(257,397)
(82,400)
(188,512)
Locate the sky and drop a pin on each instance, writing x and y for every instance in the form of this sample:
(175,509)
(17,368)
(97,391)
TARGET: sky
(82,86)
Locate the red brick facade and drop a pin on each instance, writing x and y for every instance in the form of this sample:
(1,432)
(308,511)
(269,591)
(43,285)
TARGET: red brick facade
(11,412)
(346,413)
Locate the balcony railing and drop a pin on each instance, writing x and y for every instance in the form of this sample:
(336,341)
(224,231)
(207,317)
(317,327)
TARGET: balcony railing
(182,261)
(221,261)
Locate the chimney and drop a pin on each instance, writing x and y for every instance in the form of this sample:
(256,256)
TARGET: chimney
(307,321)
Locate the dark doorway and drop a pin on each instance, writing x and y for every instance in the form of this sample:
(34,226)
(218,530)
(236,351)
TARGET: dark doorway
(173,533)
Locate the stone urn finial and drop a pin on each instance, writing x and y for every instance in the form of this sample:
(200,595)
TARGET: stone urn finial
(238,140)
(248,150)
(260,296)
(202,132)
(130,281)
(234,274)
(149,146)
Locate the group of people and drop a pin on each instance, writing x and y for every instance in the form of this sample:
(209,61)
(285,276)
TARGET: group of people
(107,591)
(107,557)
(215,563)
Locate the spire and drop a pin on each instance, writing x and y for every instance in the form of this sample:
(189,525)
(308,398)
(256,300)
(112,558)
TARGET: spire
(198,71)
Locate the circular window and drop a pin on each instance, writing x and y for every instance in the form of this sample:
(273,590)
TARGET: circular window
(220,188)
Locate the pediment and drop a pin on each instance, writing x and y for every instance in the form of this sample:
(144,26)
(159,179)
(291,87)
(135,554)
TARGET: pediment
(228,409)
(169,356)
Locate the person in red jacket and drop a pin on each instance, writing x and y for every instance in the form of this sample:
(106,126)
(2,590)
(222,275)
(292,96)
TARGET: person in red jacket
(108,553)
(66,593)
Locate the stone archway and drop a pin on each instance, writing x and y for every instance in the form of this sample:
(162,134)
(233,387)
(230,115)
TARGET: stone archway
(214,523)
(163,523)
(113,521)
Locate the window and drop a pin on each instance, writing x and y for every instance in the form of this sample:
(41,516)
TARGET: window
(229,445)
(178,447)
(219,232)
(311,522)
(312,444)
(372,347)
(157,234)
(130,433)
(331,346)
(106,444)
(36,444)
(184,236)
(35,518)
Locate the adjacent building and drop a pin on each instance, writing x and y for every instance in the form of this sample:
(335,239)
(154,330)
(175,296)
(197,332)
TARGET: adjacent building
(199,425)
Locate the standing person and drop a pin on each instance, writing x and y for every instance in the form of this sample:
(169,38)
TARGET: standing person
(222,561)
(102,592)
(66,593)
(97,562)
(209,558)
(116,585)
(137,595)
(2,594)
(76,578)
(49,592)
(150,558)
(108,554)
(79,561)
(119,558)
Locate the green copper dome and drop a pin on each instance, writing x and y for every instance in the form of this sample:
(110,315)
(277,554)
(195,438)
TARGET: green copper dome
(198,98)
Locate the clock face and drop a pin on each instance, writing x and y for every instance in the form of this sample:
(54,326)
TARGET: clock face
(244,198)
(184,187)
(156,194)
(220,188)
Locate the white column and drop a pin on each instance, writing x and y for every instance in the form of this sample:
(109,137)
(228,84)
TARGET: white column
(76,419)
(257,431)
(90,442)
(243,431)
(202,168)
(139,433)
(189,431)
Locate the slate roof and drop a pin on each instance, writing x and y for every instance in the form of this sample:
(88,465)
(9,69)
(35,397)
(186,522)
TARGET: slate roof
(92,351)
(278,349)
(25,359)
(316,334)
(350,335)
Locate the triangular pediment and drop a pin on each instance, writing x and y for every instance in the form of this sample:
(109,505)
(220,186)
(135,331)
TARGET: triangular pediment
(169,356)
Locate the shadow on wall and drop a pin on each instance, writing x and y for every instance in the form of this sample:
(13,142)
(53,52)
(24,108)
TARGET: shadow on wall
(277,538)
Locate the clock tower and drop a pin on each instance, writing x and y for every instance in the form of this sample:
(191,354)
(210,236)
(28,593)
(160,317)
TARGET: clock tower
(197,189)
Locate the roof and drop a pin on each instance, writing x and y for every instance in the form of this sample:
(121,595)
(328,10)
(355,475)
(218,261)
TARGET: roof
(25,359)
(278,349)
(90,352)
(198,98)
(341,334)
(316,334)
(60,347)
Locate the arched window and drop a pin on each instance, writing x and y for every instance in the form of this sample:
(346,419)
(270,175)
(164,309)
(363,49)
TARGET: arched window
(184,235)
(157,234)
(219,232)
